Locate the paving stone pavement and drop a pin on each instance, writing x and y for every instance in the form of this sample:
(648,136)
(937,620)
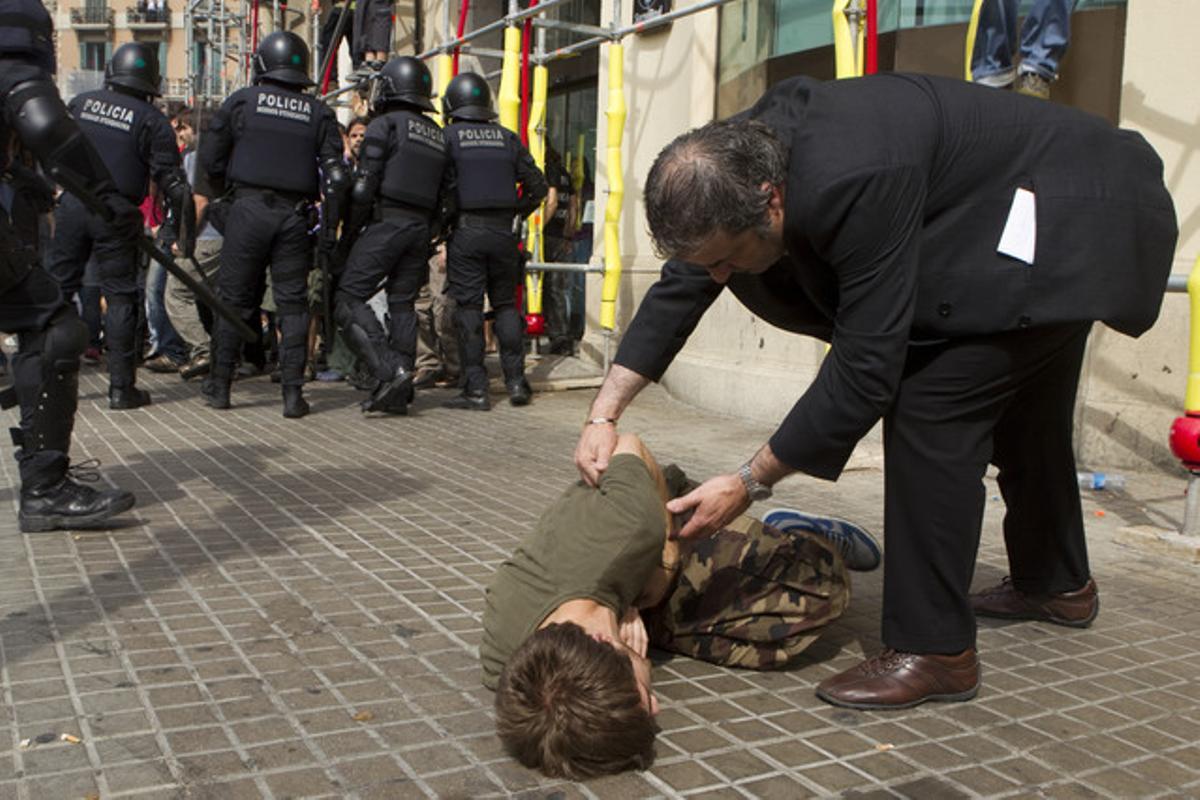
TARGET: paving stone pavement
(292,610)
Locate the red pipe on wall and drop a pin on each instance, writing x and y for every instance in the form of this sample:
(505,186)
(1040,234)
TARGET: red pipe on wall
(253,34)
(462,26)
(526,42)
(871,61)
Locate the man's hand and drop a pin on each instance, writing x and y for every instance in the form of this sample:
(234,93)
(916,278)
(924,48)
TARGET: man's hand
(595,448)
(597,441)
(713,504)
(633,632)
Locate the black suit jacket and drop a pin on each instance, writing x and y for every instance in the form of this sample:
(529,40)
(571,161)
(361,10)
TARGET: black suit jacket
(898,190)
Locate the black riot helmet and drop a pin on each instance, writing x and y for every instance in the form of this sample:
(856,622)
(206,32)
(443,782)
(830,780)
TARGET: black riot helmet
(282,56)
(134,67)
(468,97)
(27,33)
(406,80)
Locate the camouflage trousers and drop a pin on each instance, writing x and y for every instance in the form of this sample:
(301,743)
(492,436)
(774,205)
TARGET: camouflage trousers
(750,596)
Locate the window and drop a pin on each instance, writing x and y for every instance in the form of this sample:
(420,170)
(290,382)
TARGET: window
(94,55)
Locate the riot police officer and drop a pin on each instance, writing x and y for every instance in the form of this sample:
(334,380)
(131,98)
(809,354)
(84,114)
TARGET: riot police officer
(489,161)
(136,143)
(398,193)
(51,335)
(274,145)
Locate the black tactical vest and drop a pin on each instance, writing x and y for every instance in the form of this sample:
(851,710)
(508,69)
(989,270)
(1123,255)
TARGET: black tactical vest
(276,147)
(113,123)
(485,157)
(416,160)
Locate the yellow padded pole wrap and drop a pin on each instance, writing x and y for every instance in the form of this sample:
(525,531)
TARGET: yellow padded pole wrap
(848,53)
(972,31)
(616,186)
(443,67)
(577,174)
(510,80)
(537,148)
(1191,400)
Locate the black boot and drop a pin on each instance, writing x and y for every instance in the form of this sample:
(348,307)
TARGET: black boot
(391,396)
(123,398)
(294,404)
(477,401)
(519,392)
(68,504)
(215,391)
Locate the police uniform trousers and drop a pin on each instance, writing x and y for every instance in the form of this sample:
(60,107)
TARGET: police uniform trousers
(392,252)
(264,229)
(1007,399)
(45,373)
(78,236)
(482,256)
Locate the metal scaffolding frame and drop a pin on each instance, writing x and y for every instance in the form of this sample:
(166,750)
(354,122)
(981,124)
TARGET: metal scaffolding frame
(208,25)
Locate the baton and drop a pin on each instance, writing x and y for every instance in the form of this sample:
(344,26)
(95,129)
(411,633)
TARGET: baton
(73,184)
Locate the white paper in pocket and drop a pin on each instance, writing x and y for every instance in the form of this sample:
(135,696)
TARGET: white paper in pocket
(1019,239)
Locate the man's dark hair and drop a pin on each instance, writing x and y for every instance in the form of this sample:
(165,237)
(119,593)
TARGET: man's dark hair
(711,179)
(358,121)
(569,705)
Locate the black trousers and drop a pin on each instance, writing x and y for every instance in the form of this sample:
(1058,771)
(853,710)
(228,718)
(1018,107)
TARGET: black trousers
(394,250)
(483,257)
(1006,399)
(265,230)
(29,309)
(78,236)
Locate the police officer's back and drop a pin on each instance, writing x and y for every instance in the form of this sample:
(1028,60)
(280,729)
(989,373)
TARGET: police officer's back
(397,193)
(277,148)
(488,162)
(136,143)
(51,335)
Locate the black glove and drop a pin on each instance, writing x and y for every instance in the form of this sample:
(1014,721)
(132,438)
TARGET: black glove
(124,217)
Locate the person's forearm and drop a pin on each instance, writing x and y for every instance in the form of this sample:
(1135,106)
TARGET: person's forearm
(618,390)
(766,468)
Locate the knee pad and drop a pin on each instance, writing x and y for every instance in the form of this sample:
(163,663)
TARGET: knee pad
(60,343)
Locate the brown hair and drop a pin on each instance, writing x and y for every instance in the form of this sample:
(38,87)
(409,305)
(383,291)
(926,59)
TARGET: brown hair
(569,705)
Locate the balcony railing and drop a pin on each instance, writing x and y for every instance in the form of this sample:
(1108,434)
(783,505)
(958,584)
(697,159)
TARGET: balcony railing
(175,88)
(92,16)
(145,17)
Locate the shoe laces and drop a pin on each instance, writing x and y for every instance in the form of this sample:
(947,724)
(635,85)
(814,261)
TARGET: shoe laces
(86,471)
(886,662)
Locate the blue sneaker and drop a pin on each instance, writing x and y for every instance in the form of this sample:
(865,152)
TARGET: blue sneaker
(858,547)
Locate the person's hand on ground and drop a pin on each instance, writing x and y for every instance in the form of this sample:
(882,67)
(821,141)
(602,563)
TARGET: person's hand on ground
(714,503)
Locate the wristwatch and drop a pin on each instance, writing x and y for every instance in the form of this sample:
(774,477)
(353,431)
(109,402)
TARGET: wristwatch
(756,490)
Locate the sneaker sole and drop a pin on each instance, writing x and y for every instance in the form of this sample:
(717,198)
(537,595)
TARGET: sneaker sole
(41,524)
(790,517)
(957,697)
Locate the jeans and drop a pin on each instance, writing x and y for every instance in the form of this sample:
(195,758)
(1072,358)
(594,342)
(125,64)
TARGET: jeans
(164,340)
(1044,39)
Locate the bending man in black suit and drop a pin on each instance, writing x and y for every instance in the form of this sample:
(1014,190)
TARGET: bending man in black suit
(955,245)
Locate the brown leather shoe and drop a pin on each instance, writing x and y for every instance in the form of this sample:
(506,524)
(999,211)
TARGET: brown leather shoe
(1074,609)
(902,680)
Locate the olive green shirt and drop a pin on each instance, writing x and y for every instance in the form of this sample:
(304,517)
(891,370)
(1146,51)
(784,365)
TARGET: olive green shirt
(594,543)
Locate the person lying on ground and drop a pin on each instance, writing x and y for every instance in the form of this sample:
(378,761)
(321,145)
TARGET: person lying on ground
(571,614)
